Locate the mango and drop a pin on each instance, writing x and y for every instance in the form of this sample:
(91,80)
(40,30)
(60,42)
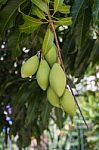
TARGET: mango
(42,75)
(57,79)
(68,103)
(51,55)
(30,67)
(53,98)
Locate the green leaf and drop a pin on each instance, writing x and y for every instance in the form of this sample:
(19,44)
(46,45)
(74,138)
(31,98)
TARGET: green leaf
(57,3)
(13,43)
(21,97)
(30,24)
(8,83)
(76,11)
(48,41)
(34,104)
(2,2)
(65,9)
(7,14)
(41,5)
(83,57)
(64,21)
(82,27)
(31,115)
(95,53)
(39,13)
(68,47)
(59,117)
(46,113)
(96,11)
(47,1)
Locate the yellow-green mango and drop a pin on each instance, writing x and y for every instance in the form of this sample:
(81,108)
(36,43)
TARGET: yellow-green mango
(30,67)
(52,97)
(51,55)
(57,79)
(43,75)
(68,103)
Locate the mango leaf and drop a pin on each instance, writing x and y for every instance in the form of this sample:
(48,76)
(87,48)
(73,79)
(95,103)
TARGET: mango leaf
(30,24)
(2,2)
(96,11)
(57,3)
(21,97)
(46,113)
(64,21)
(8,83)
(48,41)
(82,28)
(59,117)
(95,53)
(47,1)
(31,115)
(34,105)
(76,9)
(68,47)
(39,13)
(65,9)
(41,5)
(13,43)
(7,14)
(83,57)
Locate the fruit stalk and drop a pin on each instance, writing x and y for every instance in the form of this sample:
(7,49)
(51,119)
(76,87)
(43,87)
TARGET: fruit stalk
(78,105)
(61,61)
(56,41)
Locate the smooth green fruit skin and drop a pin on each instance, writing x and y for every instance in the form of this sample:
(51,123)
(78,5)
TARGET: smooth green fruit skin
(43,75)
(68,103)
(51,55)
(53,98)
(57,79)
(30,67)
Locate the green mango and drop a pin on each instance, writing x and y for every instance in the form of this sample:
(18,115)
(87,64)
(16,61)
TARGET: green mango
(57,79)
(30,67)
(52,97)
(43,75)
(51,55)
(68,103)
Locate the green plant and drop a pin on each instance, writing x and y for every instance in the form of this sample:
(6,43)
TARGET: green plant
(91,110)
(26,24)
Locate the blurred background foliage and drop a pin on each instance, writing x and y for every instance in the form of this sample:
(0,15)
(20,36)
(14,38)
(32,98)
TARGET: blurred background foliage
(24,109)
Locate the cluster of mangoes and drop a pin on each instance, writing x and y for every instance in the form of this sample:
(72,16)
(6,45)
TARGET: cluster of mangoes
(51,78)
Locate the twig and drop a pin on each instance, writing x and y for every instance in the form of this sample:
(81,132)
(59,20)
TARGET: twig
(60,57)
(78,105)
(56,40)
